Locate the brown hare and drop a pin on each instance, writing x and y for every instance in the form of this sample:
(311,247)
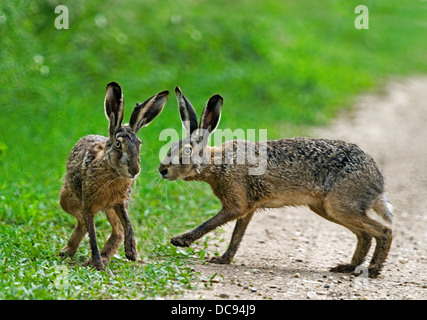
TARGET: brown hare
(335,179)
(99,176)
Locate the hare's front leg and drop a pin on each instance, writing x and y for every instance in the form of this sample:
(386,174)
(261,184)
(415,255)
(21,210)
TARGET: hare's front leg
(224,216)
(89,218)
(130,243)
(236,238)
(70,204)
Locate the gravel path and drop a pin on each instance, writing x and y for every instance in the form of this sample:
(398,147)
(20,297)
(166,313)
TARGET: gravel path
(286,253)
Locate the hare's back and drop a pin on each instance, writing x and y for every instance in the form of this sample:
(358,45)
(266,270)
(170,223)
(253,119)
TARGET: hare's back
(317,152)
(86,149)
(324,162)
(86,145)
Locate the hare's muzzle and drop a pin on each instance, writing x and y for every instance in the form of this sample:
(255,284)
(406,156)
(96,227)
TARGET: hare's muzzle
(133,166)
(134,171)
(163,171)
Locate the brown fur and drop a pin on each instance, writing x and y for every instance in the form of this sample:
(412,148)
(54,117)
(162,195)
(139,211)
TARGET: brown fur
(100,173)
(335,179)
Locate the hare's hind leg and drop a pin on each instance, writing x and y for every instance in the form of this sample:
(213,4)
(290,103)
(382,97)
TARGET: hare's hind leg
(238,232)
(364,240)
(381,251)
(72,205)
(75,239)
(365,228)
(115,239)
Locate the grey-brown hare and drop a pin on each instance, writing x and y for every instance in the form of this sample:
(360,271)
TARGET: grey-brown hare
(100,172)
(335,179)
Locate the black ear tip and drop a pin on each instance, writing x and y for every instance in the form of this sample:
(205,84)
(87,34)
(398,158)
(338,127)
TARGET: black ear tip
(178,90)
(217,98)
(113,84)
(163,93)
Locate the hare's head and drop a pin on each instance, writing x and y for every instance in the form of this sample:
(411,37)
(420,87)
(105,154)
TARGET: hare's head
(186,158)
(123,146)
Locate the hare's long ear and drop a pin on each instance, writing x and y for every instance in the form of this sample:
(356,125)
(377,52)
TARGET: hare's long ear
(187,112)
(211,115)
(113,105)
(145,112)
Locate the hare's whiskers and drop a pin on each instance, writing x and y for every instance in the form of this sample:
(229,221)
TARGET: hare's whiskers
(188,190)
(165,192)
(155,182)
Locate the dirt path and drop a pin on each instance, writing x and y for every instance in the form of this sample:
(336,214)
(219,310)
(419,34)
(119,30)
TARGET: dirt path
(286,253)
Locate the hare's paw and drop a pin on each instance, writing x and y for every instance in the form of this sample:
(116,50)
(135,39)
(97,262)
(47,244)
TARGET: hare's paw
(344,268)
(67,252)
(64,254)
(220,260)
(98,265)
(373,272)
(132,254)
(183,240)
(130,249)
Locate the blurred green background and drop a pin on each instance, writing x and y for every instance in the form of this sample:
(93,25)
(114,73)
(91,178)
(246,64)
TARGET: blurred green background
(280,65)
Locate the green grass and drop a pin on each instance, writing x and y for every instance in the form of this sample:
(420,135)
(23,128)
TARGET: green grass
(280,65)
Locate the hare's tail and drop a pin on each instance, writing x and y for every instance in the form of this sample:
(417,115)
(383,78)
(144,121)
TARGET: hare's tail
(384,208)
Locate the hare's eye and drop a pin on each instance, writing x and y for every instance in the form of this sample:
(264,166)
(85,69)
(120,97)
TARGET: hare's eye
(118,144)
(186,151)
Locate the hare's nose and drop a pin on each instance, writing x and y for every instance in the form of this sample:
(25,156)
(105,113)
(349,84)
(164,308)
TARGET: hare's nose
(163,172)
(134,171)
